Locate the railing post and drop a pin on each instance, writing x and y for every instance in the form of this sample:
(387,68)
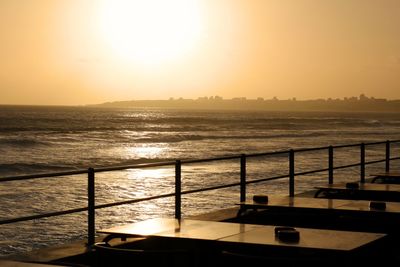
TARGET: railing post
(387,167)
(91,207)
(178,186)
(243,178)
(330,163)
(362,163)
(291,173)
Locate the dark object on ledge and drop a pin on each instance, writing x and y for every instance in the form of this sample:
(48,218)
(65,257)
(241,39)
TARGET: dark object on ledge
(287,234)
(260,198)
(352,185)
(377,205)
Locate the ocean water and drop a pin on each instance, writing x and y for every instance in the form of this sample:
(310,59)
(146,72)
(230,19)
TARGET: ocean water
(53,139)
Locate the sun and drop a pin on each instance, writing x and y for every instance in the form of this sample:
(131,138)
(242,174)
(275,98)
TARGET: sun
(150,31)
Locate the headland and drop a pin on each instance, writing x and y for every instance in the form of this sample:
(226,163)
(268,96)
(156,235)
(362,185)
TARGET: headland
(352,104)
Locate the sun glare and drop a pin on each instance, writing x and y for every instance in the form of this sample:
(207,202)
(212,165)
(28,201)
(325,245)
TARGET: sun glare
(150,31)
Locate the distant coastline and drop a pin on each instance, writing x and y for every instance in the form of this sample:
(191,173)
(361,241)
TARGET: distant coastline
(352,104)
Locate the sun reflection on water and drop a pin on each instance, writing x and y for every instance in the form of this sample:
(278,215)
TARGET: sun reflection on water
(146,151)
(149,174)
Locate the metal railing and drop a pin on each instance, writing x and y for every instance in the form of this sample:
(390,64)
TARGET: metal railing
(91,172)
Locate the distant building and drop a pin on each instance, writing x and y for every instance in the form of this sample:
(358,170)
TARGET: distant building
(363,97)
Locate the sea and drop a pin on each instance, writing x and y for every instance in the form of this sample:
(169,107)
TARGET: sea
(47,139)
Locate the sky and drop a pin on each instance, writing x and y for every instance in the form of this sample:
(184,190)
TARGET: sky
(76,52)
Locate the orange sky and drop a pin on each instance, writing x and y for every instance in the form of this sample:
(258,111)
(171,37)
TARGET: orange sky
(73,52)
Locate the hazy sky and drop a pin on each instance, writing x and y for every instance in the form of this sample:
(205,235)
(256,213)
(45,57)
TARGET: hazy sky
(92,51)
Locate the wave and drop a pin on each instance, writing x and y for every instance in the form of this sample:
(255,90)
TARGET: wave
(198,125)
(10,169)
(148,137)
(161,121)
(22,142)
(176,137)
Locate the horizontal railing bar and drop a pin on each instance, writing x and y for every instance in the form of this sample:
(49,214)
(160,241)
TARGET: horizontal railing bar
(310,149)
(358,164)
(375,161)
(274,153)
(384,160)
(101,206)
(267,179)
(167,163)
(232,184)
(132,201)
(375,143)
(339,167)
(311,172)
(40,216)
(228,157)
(210,188)
(346,166)
(320,170)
